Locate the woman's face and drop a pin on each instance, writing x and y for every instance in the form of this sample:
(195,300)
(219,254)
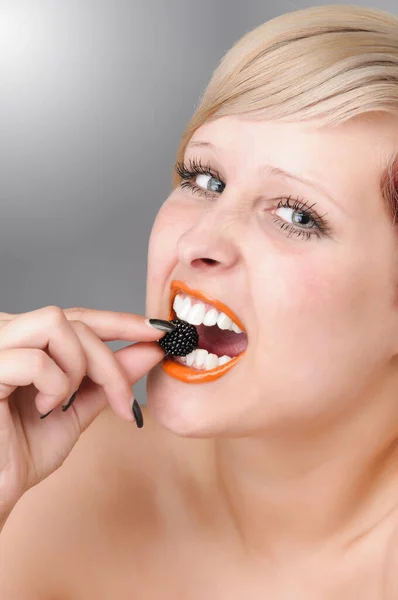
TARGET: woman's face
(313,284)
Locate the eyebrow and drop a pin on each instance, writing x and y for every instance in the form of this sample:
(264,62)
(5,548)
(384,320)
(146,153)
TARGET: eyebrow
(273,170)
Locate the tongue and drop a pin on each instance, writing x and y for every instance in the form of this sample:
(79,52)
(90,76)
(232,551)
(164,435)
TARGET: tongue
(219,341)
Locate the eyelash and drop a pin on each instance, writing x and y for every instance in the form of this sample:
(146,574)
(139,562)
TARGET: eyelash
(194,167)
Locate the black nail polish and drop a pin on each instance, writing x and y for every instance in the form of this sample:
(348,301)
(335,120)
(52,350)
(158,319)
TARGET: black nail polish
(139,418)
(162,325)
(71,401)
(46,415)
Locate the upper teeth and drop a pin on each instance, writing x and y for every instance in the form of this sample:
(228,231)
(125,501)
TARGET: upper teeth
(196,312)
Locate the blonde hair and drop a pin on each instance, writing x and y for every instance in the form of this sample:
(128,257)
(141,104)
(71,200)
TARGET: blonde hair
(330,63)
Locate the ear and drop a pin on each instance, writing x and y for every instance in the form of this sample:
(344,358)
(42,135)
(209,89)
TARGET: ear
(389,188)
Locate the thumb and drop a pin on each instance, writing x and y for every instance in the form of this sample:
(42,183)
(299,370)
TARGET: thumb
(136,360)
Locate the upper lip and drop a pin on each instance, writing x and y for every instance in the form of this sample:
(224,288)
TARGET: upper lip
(180,286)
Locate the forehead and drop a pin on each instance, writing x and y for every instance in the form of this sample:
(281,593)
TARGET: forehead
(345,156)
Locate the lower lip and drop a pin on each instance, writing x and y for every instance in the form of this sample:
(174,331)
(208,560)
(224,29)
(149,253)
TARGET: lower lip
(189,375)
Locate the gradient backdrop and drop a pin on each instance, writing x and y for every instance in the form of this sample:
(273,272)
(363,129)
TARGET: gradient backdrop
(94,95)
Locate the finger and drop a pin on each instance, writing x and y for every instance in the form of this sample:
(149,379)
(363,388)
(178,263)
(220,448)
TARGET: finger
(35,329)
(23,366)
(111,326)
(136,361)
(52,332)
(139,359)
(67,350)
(108,325)
(105,370)
(49,328)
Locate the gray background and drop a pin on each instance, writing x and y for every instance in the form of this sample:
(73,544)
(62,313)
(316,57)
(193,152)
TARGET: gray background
(94,95)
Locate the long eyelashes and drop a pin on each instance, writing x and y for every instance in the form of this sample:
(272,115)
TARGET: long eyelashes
(320,228)
(301,206)
(195,167)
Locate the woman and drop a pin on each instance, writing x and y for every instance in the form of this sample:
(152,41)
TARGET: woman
(273,472)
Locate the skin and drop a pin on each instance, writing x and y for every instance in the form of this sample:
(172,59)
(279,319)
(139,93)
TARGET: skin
(280,477)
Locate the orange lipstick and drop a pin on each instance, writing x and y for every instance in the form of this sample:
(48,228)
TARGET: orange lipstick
(183,372)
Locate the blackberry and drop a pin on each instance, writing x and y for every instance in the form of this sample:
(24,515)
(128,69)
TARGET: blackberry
(182,341)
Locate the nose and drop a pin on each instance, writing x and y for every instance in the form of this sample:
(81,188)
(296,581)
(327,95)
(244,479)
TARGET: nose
(211,243)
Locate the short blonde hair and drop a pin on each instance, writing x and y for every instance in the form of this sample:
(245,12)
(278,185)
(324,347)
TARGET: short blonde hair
(330,63)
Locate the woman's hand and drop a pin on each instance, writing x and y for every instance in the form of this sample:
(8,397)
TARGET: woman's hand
(46,356)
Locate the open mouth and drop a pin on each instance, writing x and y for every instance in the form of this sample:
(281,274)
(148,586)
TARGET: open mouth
(222,338)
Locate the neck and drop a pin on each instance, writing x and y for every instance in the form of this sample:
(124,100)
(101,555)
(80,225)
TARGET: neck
(299,491)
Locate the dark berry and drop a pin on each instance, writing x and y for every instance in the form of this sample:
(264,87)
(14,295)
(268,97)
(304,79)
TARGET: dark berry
(182,341)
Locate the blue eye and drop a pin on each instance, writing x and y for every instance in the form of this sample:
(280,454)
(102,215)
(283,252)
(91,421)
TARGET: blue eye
(303,215)
(306,222)
(195,169)
(215,186)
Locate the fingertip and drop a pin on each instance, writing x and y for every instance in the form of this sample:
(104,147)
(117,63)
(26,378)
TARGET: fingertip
(125,413)
(46,414)
(45,403)
(70,402)
(137,412)
(160,325)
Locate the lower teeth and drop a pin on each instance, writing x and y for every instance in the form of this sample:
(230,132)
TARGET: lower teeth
(202,360)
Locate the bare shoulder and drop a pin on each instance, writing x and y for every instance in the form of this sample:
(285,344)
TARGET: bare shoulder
(109,497)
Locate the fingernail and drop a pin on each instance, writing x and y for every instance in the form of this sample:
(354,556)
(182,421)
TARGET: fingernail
(71,401)
(160,324)
(46,415)
(139,419)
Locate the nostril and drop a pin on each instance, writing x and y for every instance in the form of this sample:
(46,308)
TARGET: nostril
(202,262)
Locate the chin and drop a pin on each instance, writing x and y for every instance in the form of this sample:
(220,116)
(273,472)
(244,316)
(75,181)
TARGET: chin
(213,410)
(182,415)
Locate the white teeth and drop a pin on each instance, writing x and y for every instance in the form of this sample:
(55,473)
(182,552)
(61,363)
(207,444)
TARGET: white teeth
(196,314)
(211,361)
(224,322)
(178,302)
(185,308)
(190,358)
(224,359)
(201,359)
(211,317)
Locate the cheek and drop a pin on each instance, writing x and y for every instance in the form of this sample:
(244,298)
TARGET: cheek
(318,313)
(161,243)
(292,286)
(170,223)
(312,338)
